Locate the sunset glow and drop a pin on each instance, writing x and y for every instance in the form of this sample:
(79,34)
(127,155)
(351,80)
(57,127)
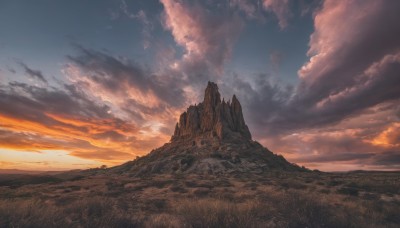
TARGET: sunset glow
(318,80)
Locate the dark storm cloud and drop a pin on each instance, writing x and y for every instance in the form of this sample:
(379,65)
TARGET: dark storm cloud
(23,100)
(42,106)
(35,74)
(141,109)
(381,87)
(115,75)
(335,157)
(13,104)
(387,158)
(346,75)
(264,103)
(152,101)
(377,160)
(378,35)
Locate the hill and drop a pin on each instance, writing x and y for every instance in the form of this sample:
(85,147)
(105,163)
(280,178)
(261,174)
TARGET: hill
(210,174)
(210,138)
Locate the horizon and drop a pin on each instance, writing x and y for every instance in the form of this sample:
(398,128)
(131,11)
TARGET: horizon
(84,85)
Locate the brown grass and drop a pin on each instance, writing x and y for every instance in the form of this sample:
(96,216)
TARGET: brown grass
(277,200)
(218,213)
(95,212)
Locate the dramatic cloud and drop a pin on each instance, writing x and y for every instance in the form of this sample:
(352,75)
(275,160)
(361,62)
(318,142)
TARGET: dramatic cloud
(389,137)
(35,119)
(359,141)
(206,36)
(353,61)
(390,159)
(343,52)
(343,112)
(346,74)
(126,86)
(34,74)
(353,71)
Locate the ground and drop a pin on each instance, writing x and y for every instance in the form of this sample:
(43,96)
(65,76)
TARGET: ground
(97,198)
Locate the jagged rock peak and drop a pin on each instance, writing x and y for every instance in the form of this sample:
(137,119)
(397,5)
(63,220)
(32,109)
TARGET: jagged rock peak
(212,97)
(210,138)
(212,119)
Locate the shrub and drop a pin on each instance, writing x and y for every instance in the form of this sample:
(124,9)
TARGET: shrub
(217,213)
(92,212)
(348,191)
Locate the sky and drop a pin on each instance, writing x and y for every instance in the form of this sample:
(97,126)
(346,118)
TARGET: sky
(86,83)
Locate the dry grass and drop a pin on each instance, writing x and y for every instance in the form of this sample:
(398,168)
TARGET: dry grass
(95,212)
(218,213)
(276,200)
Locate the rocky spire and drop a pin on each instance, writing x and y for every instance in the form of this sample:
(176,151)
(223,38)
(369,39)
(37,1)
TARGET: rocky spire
(209,138)
(213,119)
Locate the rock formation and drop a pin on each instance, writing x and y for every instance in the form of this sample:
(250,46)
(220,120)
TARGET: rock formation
(212,118)
(210,138)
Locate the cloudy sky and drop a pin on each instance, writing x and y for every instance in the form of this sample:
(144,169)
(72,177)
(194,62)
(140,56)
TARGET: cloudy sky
(86,83)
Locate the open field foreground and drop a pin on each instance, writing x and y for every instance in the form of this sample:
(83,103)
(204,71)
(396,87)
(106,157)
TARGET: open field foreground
(96,198)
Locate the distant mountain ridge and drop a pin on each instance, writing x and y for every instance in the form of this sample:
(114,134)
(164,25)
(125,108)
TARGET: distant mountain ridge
(30,172)
(210,138)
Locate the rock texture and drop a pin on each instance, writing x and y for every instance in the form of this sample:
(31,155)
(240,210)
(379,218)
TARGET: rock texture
(210,138)
(212,118)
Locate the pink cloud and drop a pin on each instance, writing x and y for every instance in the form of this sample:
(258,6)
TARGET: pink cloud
(345,109)
(206,37)
(352,55)
(340,27)
(365,141)
(281,10)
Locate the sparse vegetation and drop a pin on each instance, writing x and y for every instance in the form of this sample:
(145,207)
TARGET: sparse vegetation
(270,200)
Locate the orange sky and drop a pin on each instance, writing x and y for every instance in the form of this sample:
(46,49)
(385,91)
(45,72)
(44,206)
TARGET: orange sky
(318,80)
(71,142)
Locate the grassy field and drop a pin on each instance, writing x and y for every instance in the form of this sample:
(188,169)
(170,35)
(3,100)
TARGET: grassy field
(276,199)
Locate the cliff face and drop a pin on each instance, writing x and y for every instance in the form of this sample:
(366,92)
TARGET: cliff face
(212,118)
